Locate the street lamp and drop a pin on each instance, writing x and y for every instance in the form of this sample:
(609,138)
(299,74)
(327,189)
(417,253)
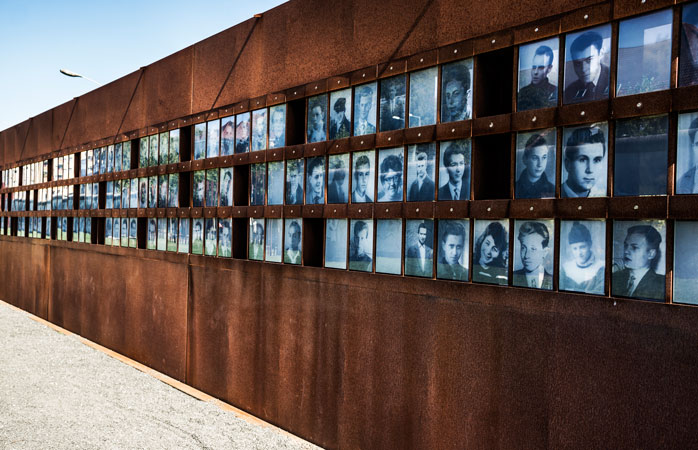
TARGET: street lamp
(68,73)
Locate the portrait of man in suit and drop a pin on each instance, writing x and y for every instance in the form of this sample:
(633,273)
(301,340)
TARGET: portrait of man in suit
(227,137)
(292,253)
(540,93)
(533,181)
(317,111)
(689,152)
(591,76)
(456,97)
(227,187)
(211,239)
(363,179)
(339,124)
(338,182)
(453,244)
(422,187)
(534,248)
(315,193)
(455,160)
(364,102)
(419,256)
(584,163)
(294,182)
(635,275)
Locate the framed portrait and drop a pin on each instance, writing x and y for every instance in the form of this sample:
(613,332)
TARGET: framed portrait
(456,91)
(277,126)
(83,165)
(212,187)
(183,240)
(258,175)
(116,241)
(491,251)
(639,259)
(134,191)
(534,251)
(200,140)
(197,236)
(126,155)
(173,188)
(390,169)
(688,56)
(102,162)
(685,262)
(275,183)
(164,148)
(108,231)
(365,111)
(172,234)
(225,242)
(420,172)
(212,138)
(538,75)
(317,119)
(419,248)
(162,234)
(153,150)
(125,193)
(226,186)
(76,228)
(256,244)
(336,243)
(110,160)
(163,190)
(389,246)
(133,232)
(583,256)
(452,249)
(124,232)
(361,245)
(227,136)
(174,147)
(95,195)
(274,237)
(535,164)
(363,173)
(152,237)
(211,237)
(392,103)
(110,195)
(340,114)
(294,182)
(315,186)
(81,236)
(242,132)
(423,93)
(644,53)
(259,129)
(153,191)
(585,161)
(687,154)
(117,195)
(641,154)
(587,63)
(199,186)
(454,170)
(337,179)
(293,242)
(90,163)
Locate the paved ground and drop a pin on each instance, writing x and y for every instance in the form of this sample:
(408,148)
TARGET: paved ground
(58,393)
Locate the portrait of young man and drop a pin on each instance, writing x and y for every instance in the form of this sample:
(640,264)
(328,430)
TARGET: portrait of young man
(540,92)
(392,103)
(259,129)
(277,126)
(455,164)
(242,132)
(419,258)
(227,186)
(294,182)
(687,158)
(536,160)
(361,246)
(582,268)
(256,246)
(258,174)
(421,173)
(227,137)
(183,242)
(317,112)
(362,184)
(211,238)
(390,175)
(456,93)
(586,75)
(364,103)
(340,127)
(225,241)
(292,250)
(636,265)
(584,164)
(197,236)
(534,249)
(453,250)
(338,182)
(315,192)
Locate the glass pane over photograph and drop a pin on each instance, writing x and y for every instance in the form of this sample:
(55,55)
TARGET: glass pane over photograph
(273,240)
(685,262)
(420,172)
(226,186)
(258,174)
(453,249)
(227,136)
(197,236)
(365,111)
(392,103)
(585,161)
(389,246)
(454,170)
(259,129)
(361,245)
(491,251)
(423,86)
(294,182)
(419,248)
(199,140)
(456,91)
(225,233)
(535,164)
(337,178)
(687,154)
(317,118)
(315,186)
(587,65)
(538,74)
(212,137)
(275,183)
(256,245)
(688,56)
(391,164)
(277,126)
(293,241)
(242,132)
(183,241)
(641,156)
(583,256)
(534,251)
(212,187)
(340,114)
(211,237)
(363,176)
(336,243)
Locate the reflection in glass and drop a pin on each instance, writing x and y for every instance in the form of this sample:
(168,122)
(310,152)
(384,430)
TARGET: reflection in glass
(389,246)
(361,245)
(256,247)
(213,130)
(277,126)
(390,166)
(199,140)
(126,156)
(227,186)
(535,164)
(211,237)
(162,234)
(392,103)
(151,243)
(340,114)
(259,129)
(420,172)
(685,262)
(134,191)
(183,241)
(294,182)
(227,136)
(110,159)
(174,147)
(164,146)
(173,196)
(153,191)
(108,231)
(639,249)
(273,240)
(110,194)
(83,164)
(456,91)
(365,109)
(199,188)
(363,177)
(583,256)
(534,250)
(419,241)
(225,243)
(124,232)
(454,170)
(687,154)
(317,114)
(641,156)
(315,187)
(644,53)
(117,194)
(584,162)
(275,188)
(452,249)
(172,234)
(491,252)
(212,187)
(538,75)
(688,56)
(153,158)
(163,190)
(293,241)
(88,229)
(257,179)
(423,97)
(336,243)
(242,133)
(587,61)
(337,179)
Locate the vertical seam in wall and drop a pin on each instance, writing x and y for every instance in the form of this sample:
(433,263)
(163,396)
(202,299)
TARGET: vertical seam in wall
(187,338)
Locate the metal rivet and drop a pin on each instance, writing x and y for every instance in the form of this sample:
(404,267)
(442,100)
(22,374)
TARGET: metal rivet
(315,87)
(636,207)
(579,207)
(391,67)
(274,154)
(291,211)
(390,138)
(614,303)
(416,210)
(494,40)
(489,209)
(294,92)
(582,113)
(335,210)
(534,119)
(312,210)
(535,30)
(639,104)
(258,103)
(313,148)
(364,75)
(339,81)
(359,209)
(419,134)
(386,209)
(531,208)
(421,59)
(451,210)
(491,124)
(642,1)
(274,99)
(455,50)
(453,130)
(586,16)
(336,146)
(294,152)
(362,142)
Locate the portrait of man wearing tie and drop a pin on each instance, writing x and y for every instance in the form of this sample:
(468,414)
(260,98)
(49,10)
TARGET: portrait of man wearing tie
(453,245)
(227,186)
(315,193)
(392,103)
(591,77)
(294,182)
(456,162)
(292,253)
(420,256)
(534,249)
(364,101)
(338,182)
(317,111)
(339,124)
(635,274)
(421,184)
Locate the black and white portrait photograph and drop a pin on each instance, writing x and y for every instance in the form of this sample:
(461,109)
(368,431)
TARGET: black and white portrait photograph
(152,151)
(116,231)
(103,160)
(365,109)
(456,91)
(454,170)
(340,114)
(124,231)
(390,174)
(421,162)
(294,182)
(227,136)
(338,178)
(363,176)
(212,187)
(210,236)
(277,126)
(110,159)
(644,53)
(142,193)
(126,154)
(164,148)
(258,175)
(133,193)
(256,244)
(535,164)
(173,187)
(163,191)
(90,159)
(687,154)
(389,246)
(688,56)
(183,240)
(584,161)
(587,64)
(199,141)
(275,183)
(117,194)
(110,195)
(197,236)
(317,118)
(242,132)
(225,237)
(491,251)
(171,234)
(83,164)
(152,236)
(152,191)
(423,84)
(639,264)
(538,75)
(259,129)
(685,262)
(534,251)
(641,153)
(118,158)
(452,249)
(293,243)
(108,231)
(336,243)
(133,232)
(162,234)
(419,248)
(213,129)
(315,186)
(274,237)
(361,245)
(226,186)
(583,256)
(392,103)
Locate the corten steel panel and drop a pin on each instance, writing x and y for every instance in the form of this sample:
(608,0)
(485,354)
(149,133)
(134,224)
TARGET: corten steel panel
(162,79)
(136,306)
(39,137)
(23,275)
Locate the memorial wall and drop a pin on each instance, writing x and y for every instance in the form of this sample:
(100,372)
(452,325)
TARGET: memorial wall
(387,226)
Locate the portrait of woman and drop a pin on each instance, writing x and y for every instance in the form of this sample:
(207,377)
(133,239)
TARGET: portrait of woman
(491,253)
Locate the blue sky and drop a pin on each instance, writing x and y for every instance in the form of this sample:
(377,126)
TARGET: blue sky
(103,40)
